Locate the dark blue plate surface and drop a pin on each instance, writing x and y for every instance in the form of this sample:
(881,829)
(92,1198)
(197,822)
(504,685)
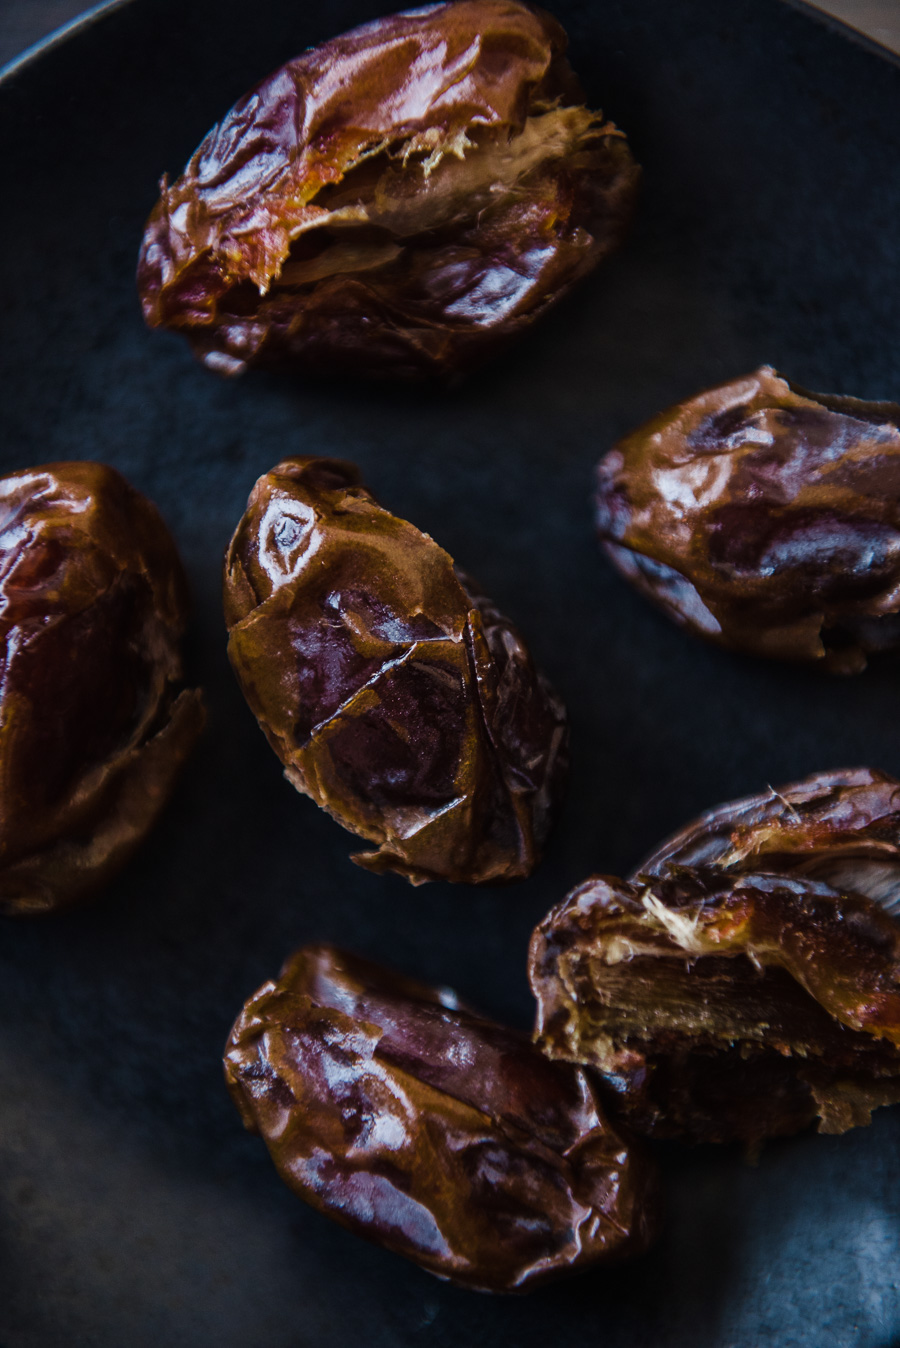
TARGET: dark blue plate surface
(134,1211)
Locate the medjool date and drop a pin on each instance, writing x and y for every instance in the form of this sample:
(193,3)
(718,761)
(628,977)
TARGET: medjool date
(443,1136)
(842,827)
(746,980)
(396,696)
(397,200)
(93,724)
(764,518)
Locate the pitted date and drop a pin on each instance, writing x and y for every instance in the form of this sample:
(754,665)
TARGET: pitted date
(397,200)
(449,1139)
(764,518)
(746,981)
(94,725)
(729,1011)
(396,696)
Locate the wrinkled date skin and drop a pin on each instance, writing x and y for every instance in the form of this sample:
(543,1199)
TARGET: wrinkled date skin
(397,201)
(764,518)
(842,827)
(397,697)
(93,727)
(746,981)
(445,1137)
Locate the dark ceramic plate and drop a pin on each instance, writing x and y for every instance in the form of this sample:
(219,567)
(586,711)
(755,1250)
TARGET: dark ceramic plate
(133,1208)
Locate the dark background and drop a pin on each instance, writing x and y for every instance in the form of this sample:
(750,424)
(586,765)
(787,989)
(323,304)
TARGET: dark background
(133,1208)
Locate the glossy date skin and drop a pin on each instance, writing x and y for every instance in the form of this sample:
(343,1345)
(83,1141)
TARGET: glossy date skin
(746,981)
(399,200)
(842,827)
(764,518)
(94,724)
(449,1139)
(396,696)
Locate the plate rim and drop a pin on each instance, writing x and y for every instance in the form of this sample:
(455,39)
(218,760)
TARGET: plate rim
(59,36)
(844,29)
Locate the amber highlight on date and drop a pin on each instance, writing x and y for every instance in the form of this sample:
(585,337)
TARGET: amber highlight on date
(443,1136)
(94,721)
(764,518)
(745,981)
(400,200)
(395,695)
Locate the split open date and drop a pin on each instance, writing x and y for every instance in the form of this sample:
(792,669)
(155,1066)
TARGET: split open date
(746,980)
(399,200)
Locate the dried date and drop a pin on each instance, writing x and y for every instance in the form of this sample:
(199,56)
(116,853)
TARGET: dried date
(449,1139)
(396,696)
(764,518)
(842,827)
(397,200)
(746,981)
(94,724)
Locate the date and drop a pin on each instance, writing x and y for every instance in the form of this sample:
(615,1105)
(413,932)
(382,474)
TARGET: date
(415,1122)
(94,721)
(745,982)
(764,518)
(842,827)
(395,695)
(399,200)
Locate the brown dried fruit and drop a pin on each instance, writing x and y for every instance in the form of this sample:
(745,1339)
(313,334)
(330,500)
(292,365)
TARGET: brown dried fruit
(746,981)
(419,1124)
(764,518)
(398,200)
(396,696)
(94,724)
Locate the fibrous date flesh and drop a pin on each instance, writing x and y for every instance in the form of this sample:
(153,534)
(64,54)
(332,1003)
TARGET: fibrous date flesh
(396,696)
(421,1125)
(94,725)
(764,518)
(746,980)
(398,200)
